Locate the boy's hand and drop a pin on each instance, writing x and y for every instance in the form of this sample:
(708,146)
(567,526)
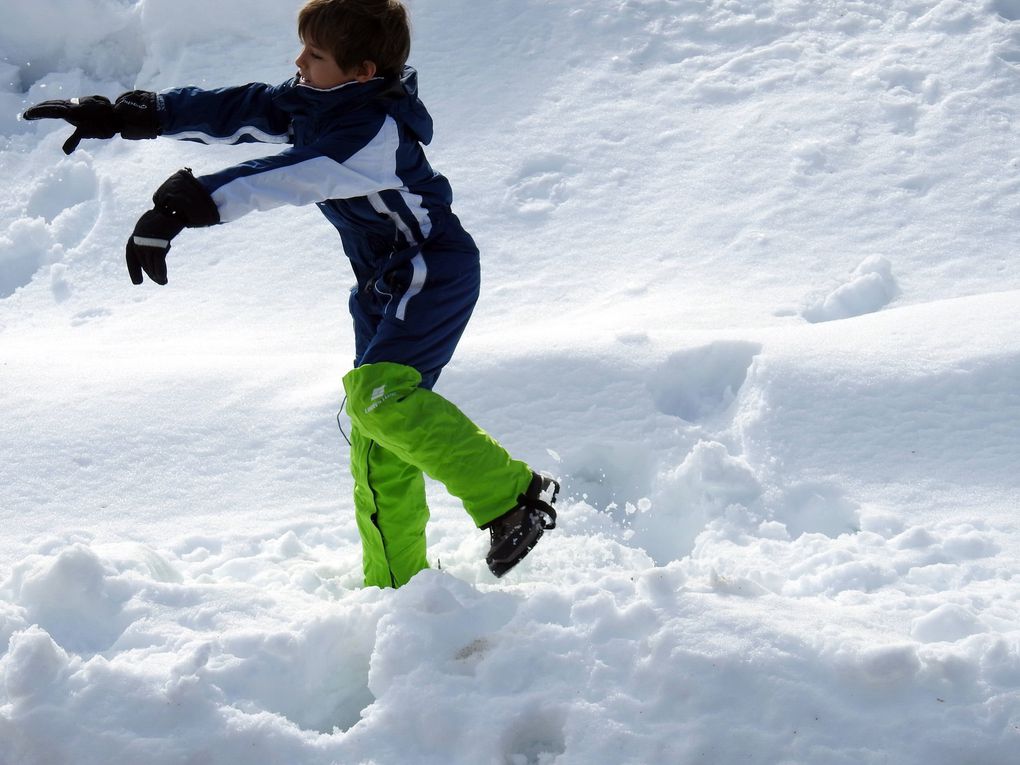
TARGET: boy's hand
(92,117)
(180,202)
(149,244)
(133,116)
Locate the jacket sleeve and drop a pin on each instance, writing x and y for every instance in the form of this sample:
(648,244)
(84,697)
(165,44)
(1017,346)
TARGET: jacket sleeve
(335,167)
(242,114)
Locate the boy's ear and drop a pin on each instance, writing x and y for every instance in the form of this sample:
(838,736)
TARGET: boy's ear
(365,71)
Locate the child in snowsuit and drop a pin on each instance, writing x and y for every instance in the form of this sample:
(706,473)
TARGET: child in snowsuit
(355,128)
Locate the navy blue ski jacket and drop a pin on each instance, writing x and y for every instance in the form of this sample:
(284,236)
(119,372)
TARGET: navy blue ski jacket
(356,152)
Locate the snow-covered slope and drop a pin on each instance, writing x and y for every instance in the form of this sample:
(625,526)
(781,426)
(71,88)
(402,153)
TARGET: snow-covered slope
(749,290)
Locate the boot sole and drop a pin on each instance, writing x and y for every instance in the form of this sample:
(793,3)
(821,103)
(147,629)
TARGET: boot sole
(500,566)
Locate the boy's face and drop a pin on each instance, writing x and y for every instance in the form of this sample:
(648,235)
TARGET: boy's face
(319,69)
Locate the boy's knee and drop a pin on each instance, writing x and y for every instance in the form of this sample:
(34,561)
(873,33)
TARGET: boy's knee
(371,386)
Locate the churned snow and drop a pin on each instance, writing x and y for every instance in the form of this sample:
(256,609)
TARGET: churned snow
(750,292)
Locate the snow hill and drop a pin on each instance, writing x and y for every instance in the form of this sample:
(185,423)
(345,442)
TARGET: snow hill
(750,290)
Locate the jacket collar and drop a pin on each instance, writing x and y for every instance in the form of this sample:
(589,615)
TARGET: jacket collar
(298,98)
(397,97)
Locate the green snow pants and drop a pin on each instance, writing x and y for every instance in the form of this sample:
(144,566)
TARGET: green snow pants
(400,431)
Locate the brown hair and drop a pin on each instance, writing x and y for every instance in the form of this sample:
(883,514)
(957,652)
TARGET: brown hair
(354,31)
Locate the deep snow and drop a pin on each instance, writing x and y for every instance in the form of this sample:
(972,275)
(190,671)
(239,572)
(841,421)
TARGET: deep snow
(749,290)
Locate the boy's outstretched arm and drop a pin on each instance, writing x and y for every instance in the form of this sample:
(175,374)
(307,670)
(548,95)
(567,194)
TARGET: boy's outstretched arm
(226,115)
(239,114)
(132,115)
(331,168)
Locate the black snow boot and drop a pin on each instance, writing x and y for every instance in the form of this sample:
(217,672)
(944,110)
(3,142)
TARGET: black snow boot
(518,530)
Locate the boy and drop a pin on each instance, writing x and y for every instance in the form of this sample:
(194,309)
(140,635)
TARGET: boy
(355,128)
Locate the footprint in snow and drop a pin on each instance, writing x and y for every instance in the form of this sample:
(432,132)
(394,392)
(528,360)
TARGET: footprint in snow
(535,738)
(540,186)
(89,314)
(904,92)
(698,383)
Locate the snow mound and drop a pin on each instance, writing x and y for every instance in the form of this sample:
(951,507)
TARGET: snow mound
(870,288)
(216,667)
(101,37)
(59,213)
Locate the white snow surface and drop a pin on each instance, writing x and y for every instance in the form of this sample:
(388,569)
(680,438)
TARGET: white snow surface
(750,291)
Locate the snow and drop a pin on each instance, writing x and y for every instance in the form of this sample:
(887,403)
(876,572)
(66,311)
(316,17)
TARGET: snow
(749,291)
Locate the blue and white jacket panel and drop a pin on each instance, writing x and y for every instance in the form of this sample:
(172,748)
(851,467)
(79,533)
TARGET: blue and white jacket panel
(354,150)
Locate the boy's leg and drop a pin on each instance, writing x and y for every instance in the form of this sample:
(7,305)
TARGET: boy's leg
(389,494)
(386,403)
(430,298)
(389,504)
(421,307)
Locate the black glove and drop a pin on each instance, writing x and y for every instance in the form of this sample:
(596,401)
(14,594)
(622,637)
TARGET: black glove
(181,202)
(133,116)
(149,244)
